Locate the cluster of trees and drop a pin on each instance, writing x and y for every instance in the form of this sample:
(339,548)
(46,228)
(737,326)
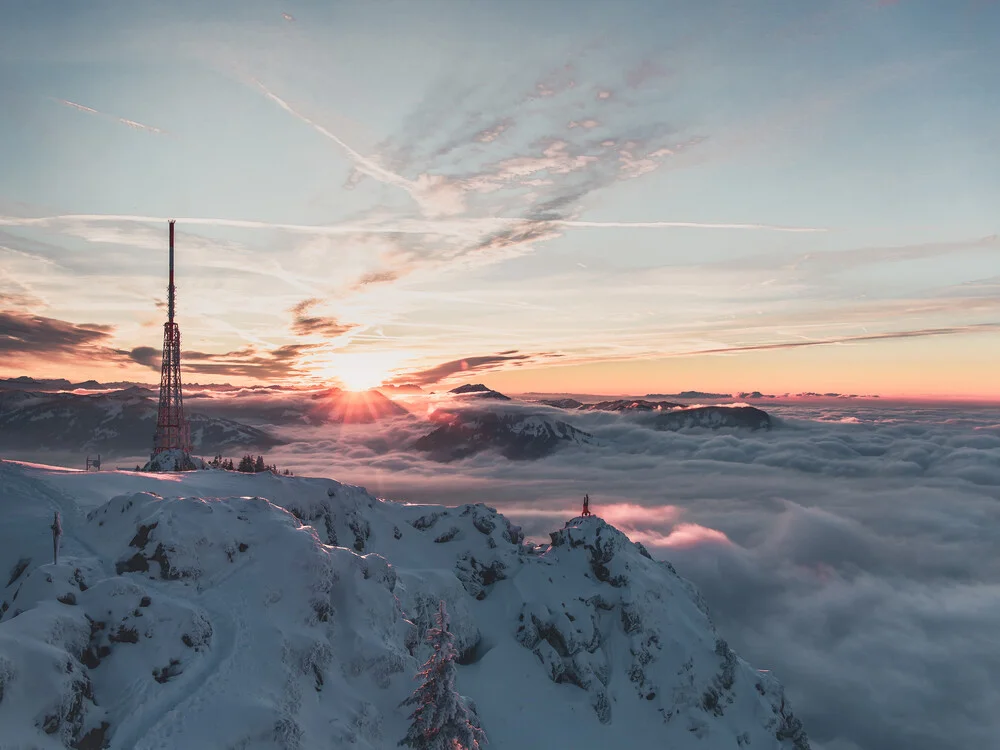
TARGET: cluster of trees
(248,465)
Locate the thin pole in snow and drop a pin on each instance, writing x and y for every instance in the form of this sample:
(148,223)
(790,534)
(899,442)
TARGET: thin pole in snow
(56,534)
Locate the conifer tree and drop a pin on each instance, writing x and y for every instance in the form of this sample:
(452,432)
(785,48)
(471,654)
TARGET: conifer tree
(441,720)
(259,465)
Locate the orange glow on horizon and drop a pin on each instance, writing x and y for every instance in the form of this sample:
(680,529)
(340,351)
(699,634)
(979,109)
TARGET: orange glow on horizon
(958,368)
(944,369)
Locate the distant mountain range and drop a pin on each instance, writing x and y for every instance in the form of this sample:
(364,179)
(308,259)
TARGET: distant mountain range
(669,415)
(631,405)
(317,407)
(114,423)
(690,395)
(475,419)
(56,384)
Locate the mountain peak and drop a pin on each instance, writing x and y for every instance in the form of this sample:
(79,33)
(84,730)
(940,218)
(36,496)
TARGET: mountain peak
(478,390)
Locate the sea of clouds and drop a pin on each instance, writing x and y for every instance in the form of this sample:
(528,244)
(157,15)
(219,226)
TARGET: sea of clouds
(854,550)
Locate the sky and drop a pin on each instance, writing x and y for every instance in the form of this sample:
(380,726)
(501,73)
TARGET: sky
(566,196)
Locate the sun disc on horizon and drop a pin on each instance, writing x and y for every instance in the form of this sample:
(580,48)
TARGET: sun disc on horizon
(360,371)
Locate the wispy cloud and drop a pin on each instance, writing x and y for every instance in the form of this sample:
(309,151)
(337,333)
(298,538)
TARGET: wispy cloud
(304,324)
(37,334)
(261,364)
(832,261)
(466,365)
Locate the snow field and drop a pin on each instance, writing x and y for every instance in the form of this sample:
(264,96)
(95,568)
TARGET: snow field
(217,610)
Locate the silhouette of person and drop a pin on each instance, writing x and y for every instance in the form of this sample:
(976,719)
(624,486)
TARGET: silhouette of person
(56,533)
(586,505)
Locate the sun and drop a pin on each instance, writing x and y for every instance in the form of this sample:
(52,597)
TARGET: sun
(361,380)
(359,371)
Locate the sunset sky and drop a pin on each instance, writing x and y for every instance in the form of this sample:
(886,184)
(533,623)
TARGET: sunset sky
(569,195)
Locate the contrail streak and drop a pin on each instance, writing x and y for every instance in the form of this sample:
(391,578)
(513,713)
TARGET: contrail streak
(138,125)
(679,225)
(123,120)
(460,228)
(446,227)
(78,106)
(364,164)
(919,333)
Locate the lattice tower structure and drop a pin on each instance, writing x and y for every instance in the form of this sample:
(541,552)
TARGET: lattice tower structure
(172,429)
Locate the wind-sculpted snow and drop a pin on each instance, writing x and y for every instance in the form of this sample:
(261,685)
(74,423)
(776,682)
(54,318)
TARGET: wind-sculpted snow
(211,609)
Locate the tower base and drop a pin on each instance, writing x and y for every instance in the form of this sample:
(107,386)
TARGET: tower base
(174,460)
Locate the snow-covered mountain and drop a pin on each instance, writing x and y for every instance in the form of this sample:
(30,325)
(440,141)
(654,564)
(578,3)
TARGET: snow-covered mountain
(117,423)
(516,434)
(219,610)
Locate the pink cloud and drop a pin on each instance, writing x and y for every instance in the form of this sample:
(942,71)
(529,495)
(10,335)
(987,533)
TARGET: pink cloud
(630,515)
(683,535)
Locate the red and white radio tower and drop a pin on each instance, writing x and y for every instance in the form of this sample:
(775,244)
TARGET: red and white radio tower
(172,429)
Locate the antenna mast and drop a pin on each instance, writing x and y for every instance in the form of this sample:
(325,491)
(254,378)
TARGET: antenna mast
(170,289)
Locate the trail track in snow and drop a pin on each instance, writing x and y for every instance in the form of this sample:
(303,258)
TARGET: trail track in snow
(153,724)
(157,702)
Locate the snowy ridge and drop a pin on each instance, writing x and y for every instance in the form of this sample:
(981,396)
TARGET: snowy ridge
(211,609)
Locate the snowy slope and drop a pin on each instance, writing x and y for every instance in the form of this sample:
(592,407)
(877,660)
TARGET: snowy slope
(220,610)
